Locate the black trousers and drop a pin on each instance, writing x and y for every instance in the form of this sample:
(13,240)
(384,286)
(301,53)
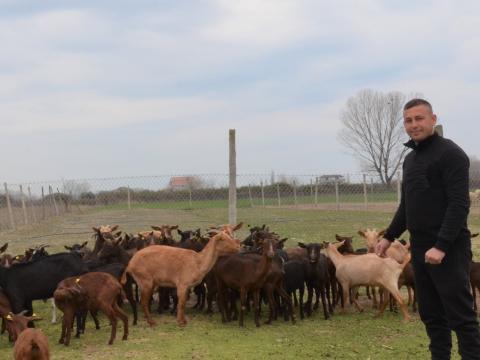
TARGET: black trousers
(445,302)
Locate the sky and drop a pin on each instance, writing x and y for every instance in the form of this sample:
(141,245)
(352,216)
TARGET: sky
(93,89)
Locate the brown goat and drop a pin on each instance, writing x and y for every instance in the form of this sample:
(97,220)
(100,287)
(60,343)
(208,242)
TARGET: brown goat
(245,273)
(90,292)
(30,344)
(160,265)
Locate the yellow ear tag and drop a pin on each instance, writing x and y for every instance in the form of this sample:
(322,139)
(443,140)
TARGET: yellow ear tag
(77,280)
(9,317)
(34,315)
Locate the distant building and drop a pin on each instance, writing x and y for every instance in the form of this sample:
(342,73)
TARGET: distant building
(328,179)
(182,182)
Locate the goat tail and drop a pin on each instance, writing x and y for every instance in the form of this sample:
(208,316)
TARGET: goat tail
(406,260)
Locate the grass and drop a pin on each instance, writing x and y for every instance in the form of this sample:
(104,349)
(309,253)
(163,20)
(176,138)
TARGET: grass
(345,336)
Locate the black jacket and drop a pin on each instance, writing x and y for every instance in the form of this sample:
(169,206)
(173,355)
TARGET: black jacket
(435,200)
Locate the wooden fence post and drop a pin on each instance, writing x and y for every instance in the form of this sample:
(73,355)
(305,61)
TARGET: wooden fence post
(337,195)
(43,204)
(9,206)
(129,204)
(52,194)
(34,216)
(399,187)
(24,208)
(263,193)
(316,191)
(250,195)
(365,196)
(295,193)
(232,191)
(278,195)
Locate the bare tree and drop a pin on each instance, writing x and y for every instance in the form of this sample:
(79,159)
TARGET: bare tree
(74,188)
(373,131)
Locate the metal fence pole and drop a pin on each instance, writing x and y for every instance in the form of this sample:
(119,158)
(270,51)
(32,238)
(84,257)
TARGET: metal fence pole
(232,191)
(34,216)
(365,195)
(337,197)
(24,208)
(190,197)
(9,206)
(316,191)
(129,204)
(278,195)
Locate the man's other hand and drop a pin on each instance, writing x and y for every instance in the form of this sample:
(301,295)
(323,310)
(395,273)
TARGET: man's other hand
(434,256)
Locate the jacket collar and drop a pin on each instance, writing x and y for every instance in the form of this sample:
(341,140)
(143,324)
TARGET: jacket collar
(423,144)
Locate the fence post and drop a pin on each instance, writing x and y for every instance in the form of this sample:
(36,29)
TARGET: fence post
(190,197)
(62,197)
(24,208)
(250,195)
(43,204)
(34,216)
(311,188)
(9,206)
(399,187)
(316,191)
(365,196)
(278,195)
(232,191)
(263,193)
(337,197)
(129,204)
(295,193)
(52,194)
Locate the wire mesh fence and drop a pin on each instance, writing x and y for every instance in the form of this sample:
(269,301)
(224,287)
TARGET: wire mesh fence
(23,205)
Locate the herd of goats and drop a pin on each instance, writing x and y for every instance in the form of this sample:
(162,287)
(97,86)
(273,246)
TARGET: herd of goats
(215,265)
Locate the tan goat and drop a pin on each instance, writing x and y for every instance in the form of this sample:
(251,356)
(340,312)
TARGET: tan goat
(160,265)
(368,269)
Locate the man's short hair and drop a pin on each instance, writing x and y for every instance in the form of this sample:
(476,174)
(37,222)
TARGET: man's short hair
(416,102)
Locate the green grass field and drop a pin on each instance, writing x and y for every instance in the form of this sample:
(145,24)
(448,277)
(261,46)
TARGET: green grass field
(345,336)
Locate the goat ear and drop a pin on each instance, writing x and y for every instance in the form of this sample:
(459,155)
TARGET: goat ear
(474,235)
(238,226)
(69,248)
(158,228)
(301,244)
(338,237)
(96,229)
(4,247)
(84,244)
(114,227)
(180,232)
(118,234)
(173,227)
(361,233)
(381,233)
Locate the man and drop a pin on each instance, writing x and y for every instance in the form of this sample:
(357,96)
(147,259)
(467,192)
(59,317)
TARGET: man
(434,208)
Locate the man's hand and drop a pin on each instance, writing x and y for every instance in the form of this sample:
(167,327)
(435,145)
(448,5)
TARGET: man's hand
(381,247)
(434,256)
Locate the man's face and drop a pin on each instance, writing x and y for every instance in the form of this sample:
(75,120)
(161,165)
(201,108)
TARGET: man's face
(419,122)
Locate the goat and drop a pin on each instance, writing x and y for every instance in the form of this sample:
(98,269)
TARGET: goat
(368,269)
(90,292)
(160,265)
(101,234)
(317,277)
(30,344)
(37,280)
